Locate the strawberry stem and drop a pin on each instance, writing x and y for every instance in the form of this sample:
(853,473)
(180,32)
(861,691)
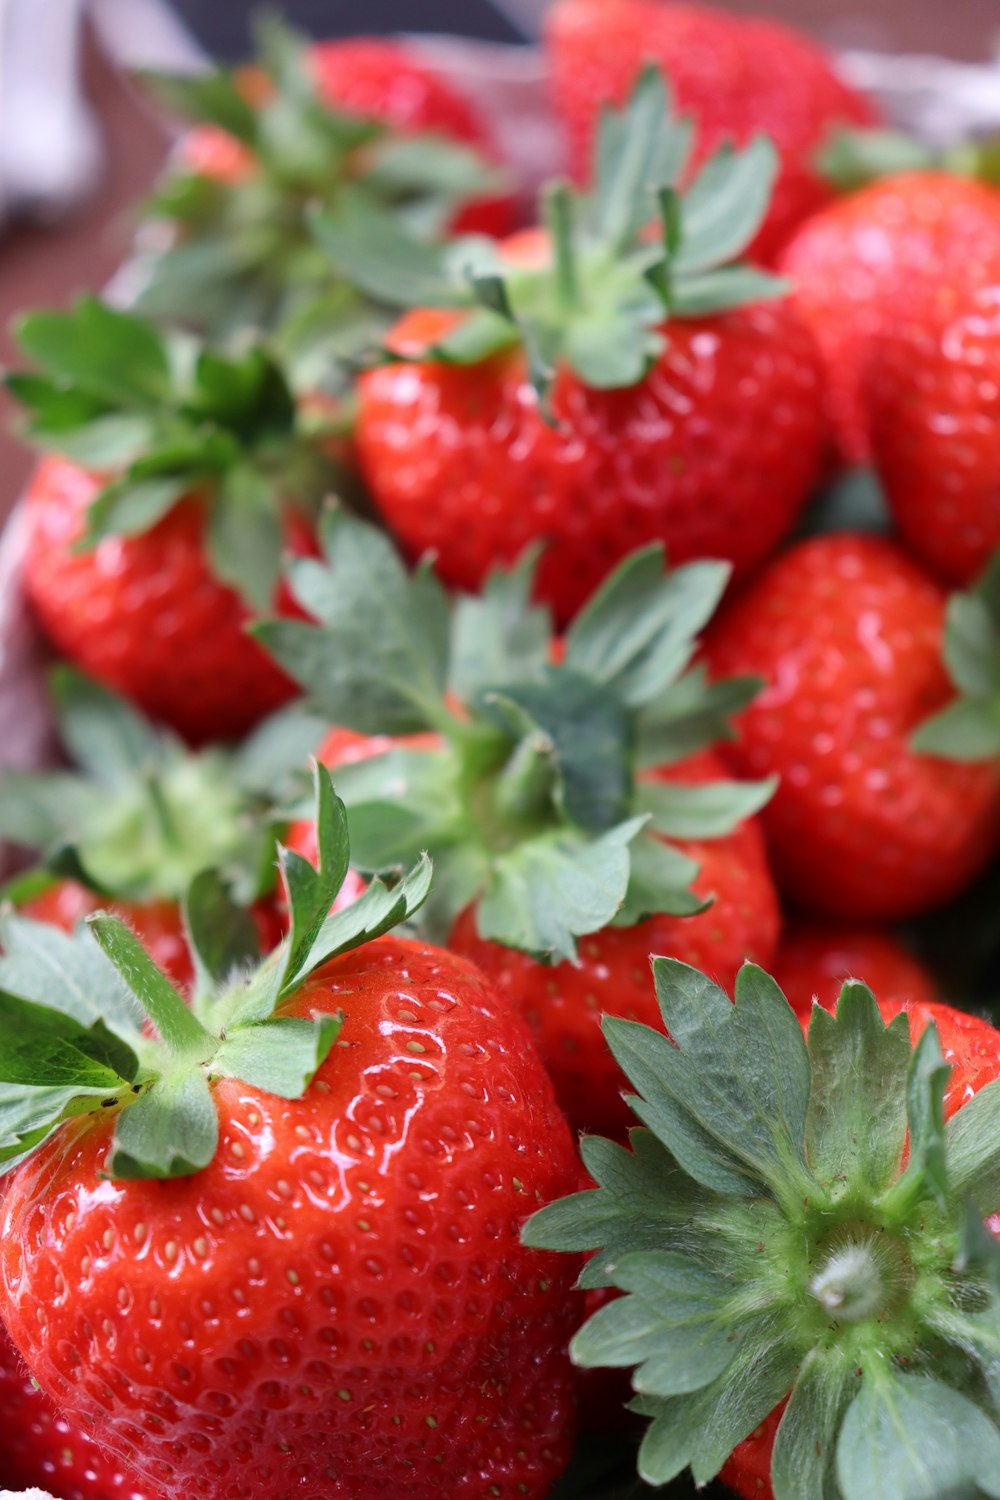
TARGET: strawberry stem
(557,204)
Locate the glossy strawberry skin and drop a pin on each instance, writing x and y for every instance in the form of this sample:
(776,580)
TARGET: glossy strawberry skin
(856,265)
(735,76)
(380,79)
(39,1448)
(972,1047)
(339,1304)
(713,453)
(934,410)
(846,631)
(564,1005)
(143,614)
(814,961)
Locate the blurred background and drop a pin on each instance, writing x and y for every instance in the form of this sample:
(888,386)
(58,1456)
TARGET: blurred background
(79,147)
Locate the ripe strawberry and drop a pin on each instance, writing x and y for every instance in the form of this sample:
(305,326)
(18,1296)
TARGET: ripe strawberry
(528,770)
(38,1447)
(814,962)
(857,264)
(155,536)
(734,75)
(799,1234)
(142,816)
(933,417)
(565,1006)
(847,632)
(623,391)
(286,1253)
(360,127)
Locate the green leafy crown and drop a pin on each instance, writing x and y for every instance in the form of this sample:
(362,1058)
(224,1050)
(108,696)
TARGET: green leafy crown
(241,254)
(795,1220)
(72,1009)
(167,418)
(142,815)
(532,800)
(613,280)
(969,728)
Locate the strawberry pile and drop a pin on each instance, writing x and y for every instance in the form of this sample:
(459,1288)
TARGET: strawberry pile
(494,1000)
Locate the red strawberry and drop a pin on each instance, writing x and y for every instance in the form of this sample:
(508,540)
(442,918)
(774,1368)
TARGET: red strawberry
(565,1006)
(813,963)
(527,768)
(735,76)
(935,419)
(857,265)
(847,632)
(655,416)
(141,816)
(799,1234)
(145,567)
(39,1448)
(290,1255)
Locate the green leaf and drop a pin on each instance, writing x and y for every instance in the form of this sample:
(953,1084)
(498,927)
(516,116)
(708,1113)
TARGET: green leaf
(549,890)
(208,98)
(675,1324)
(28,1116)
(280,1055)
(726,205)
(851,159)
(40,810)
(103,733)
(699,293)
(367,245)
(972,1148)
(110,441)
(708,811)
(222,935)
(638,632)
(972,637)
(311,891)
(499,636)
(112,355)
(244,536)
(378,659)
(130,507)
(376,911)
(273,755)
(45,1048)
(907,1437)
(804,1461)
(730,1099)
(172,1130)
(660,881)
(400,803)
(180,1030)
(691,715)
(432,166)
(40,963)
(857,1107)
(639,149)
(925,1085)
(968,730)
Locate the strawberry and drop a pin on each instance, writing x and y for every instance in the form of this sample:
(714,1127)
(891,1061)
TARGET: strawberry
(798,1232)
(814,961)
(39,1447)
(142,816)
(866,824)
(933,416)
(624,390)
(733,75)
(281,1243)
(529,769)
(157,531)
(856,260)
(341,125)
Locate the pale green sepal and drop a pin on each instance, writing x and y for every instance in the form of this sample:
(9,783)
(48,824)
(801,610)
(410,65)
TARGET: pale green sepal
(972,1148)
(171,1130)
(925,1085)
(659,884)
(725,205)
(691,715)
(704,293)
(400,803)
(803,1466)
(280,1055)
(221,934)
(376,911)
(710,810)
(109,354)
(968,730)
(102,731)
(244,535)
(908,1437)
(857,1107)
(639,149)
(39,962)
(129,507)
(499,635)
(311,891)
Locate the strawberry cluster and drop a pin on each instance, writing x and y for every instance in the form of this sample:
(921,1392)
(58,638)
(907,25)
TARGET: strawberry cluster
(456,613)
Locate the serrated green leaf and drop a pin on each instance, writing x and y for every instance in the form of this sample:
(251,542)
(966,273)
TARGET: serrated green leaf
(857,1108)
(968,730)
(639,149)
(208,98)
(725,205)
(273,756)
(690,716)
(39,962)
(434,166)
(107,442)
(710,810)
(908,1437)
(244,536)
(172,1130)
(376,911)
(549,890)
(41,1047)
(112,355)
(129,507)
(222,935)
(804,1463)
(926,1082)
(972,1148)
(29,1115)
(102,731)
(368,247)
(499,636)
(400,803)
(660,883)
(311,890)
(280,1055)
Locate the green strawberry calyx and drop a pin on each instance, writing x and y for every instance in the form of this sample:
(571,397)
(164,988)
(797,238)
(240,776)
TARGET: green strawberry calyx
(796,1221)
(72,1010)
(142,814)
(241,252)
(163,419)
(532,798)
(600,301)
(969,728)
(851,159)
